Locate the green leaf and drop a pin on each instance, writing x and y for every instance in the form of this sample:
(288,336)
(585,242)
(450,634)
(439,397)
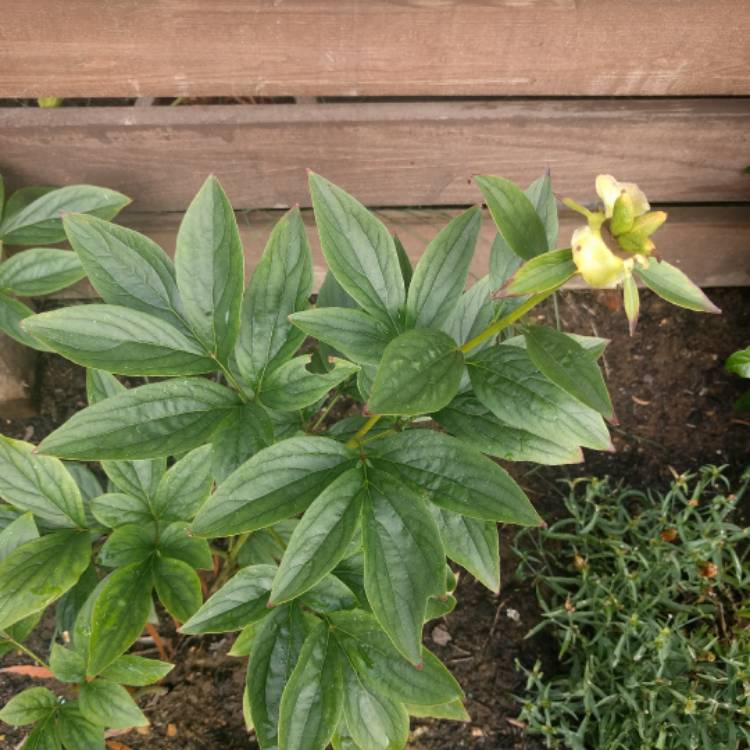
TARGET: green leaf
(280,285)
(275,651)
(39,484)
(41,270)
(23,197)
(508,383)
(471,543)
(403,261)
(244,642)
(140,479)
(567,364)
(76,732)
(277,483)
(101,385)
(404,559)
(240,601)
(40,571)
(472,422)
(66,665)
(541,274)
(455,475)
(420,373)
(330,594)
(739,363)
(594,345)
(128,544)
(71,603)
(742,404)
(40,223)
(359,251)
(514,215)
(209,263)
(375,721)
(312,699)
(503,262)
(293,386)
(245,434)
(45,736)
(177,541)
(631,301)
(354,333)
(118,509)
(453,711)
(87,482)
(321,538)
(377,662)
(472,313)
(126,268)
(12,313)
(543,199)
(106,704)
(136,671)
(674,286)
(137,478)
(119,614)
(440,276)
(178,587)
(32,705)
(16,533)
(184,488)
(158,419)
(117,339)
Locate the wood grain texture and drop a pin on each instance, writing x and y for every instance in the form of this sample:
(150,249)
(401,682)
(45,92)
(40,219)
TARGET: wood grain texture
(141,48)
(387,154)
(711,244)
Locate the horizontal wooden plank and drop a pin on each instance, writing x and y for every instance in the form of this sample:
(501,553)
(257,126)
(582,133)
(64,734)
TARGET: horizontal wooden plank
(387,154)
(712,245)
(374,47)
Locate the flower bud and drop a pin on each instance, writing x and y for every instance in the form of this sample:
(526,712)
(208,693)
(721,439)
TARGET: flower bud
(597,264)
(623,215)
(609,190)
(648,223)
(635,243)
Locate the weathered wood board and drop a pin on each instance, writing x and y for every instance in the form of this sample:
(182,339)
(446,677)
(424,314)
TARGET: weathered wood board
(387,154)
(374,48)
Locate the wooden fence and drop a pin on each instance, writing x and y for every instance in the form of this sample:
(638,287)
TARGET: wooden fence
(399,101)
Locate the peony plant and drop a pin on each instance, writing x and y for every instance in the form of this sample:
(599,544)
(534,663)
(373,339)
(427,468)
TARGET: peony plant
(229,496)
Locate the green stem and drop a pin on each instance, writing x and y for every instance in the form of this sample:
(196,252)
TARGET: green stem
(236,546)
(325,413)
(25,650)
(381,434)
(557,311)
(231,380)
(276,536)
(356,439)
(505,321)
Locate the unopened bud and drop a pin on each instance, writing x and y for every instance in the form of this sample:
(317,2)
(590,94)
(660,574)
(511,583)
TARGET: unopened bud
(669,535)
(623,215)
(609,190)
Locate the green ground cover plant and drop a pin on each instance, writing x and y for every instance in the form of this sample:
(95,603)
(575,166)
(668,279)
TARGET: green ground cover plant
(648,597)
(323,542)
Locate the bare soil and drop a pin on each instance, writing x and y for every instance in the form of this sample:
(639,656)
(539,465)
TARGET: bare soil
(674,403)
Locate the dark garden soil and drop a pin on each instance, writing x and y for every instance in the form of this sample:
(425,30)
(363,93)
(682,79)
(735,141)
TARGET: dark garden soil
(674,404)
